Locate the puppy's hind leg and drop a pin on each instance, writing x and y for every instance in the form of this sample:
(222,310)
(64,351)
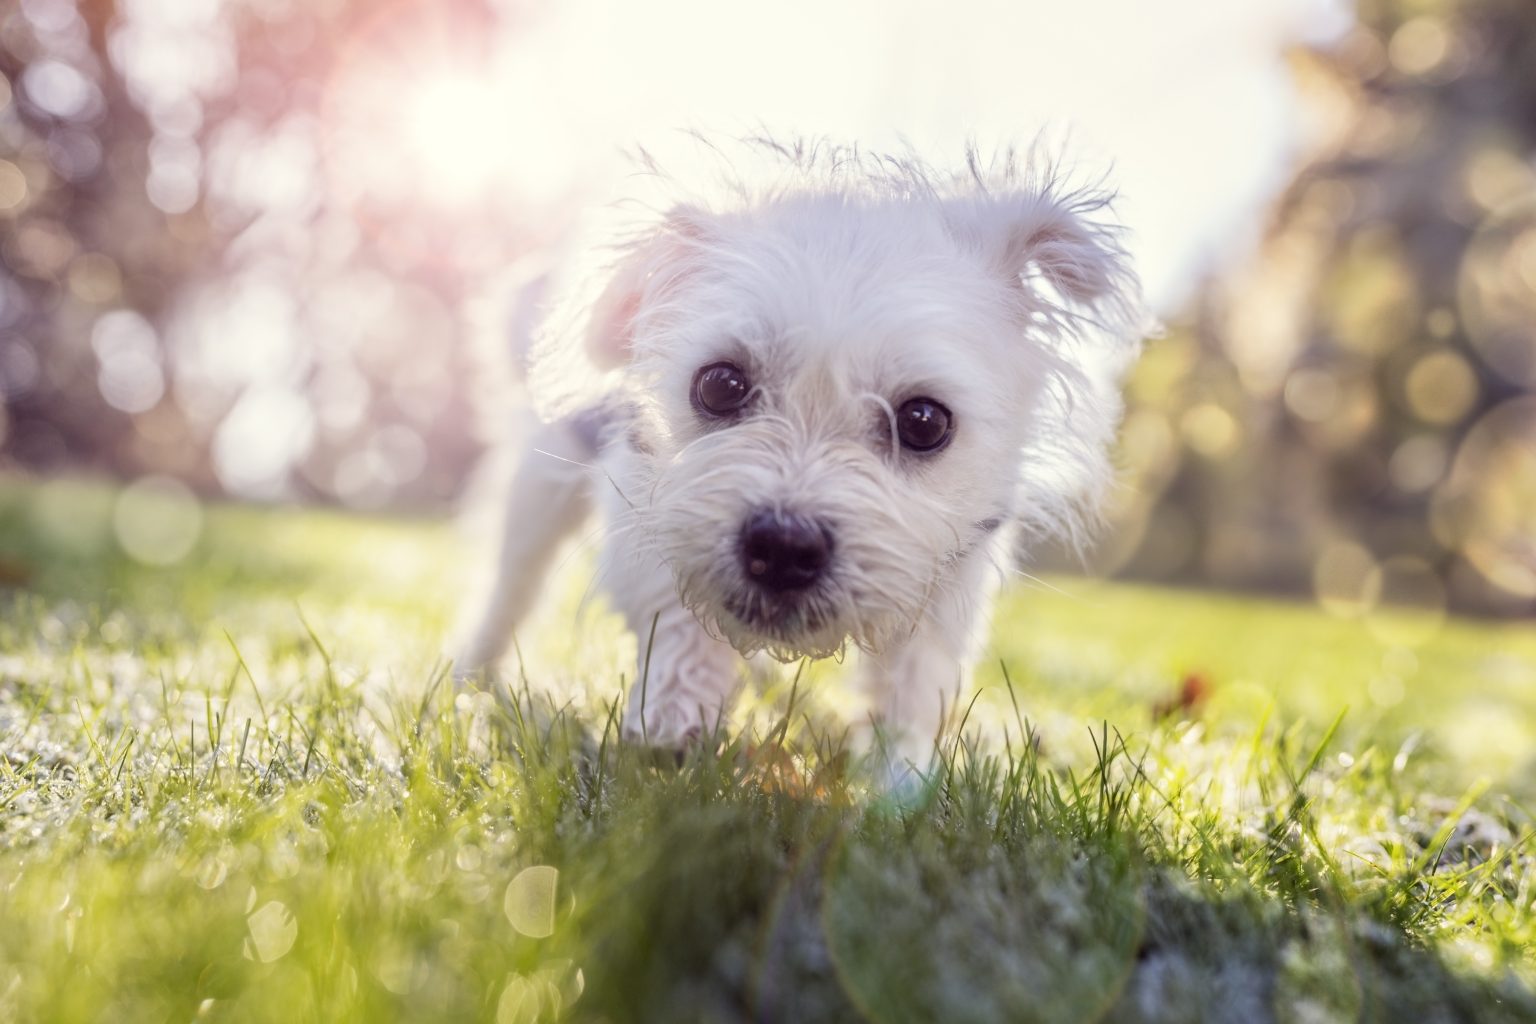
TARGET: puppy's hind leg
(547,500)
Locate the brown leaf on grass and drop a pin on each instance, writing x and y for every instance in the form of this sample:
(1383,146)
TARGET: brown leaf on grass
(14,573)
(1187,700)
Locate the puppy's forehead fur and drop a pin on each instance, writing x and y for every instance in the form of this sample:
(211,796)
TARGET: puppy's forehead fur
(829,300)
(846,282)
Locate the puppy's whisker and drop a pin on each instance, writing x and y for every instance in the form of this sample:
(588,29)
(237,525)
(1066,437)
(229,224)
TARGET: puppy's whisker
(605,533)
(1047,585)
(587,592)
(922,608)
(589,466)
(602,532)
(562,458)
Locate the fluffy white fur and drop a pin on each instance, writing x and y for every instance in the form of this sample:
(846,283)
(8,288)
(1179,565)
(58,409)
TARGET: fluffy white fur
(845,284)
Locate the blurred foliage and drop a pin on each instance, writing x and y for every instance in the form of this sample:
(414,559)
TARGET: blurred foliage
(188,285)
(217,265)
(1352,414)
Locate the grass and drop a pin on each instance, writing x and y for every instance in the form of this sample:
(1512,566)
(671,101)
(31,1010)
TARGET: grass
(239,789)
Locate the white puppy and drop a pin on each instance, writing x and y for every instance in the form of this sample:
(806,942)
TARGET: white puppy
(835,405)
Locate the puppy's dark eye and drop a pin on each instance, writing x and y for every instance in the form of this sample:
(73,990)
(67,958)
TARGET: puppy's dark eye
(923,425)
(720,389)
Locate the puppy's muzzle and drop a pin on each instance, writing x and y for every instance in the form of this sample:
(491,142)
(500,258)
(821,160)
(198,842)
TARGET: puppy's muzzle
(783,551)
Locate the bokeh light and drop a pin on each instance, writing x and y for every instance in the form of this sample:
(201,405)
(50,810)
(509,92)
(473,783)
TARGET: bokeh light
(1487,507)
(252,247)
(1418,463)
(530,901)
(13,186)
(1420,45)
(1372,363)
(1440,387)
(1498,291)
(1347,580)
(273,929)
(157,520)
(128,351)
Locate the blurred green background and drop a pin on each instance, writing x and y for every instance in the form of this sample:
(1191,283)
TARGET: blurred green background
(256,247)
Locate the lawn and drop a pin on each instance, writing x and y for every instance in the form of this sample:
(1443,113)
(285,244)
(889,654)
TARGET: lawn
(240,788)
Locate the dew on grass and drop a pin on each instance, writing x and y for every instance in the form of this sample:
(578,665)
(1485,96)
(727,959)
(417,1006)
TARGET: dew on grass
(544,995)
(525,1001)
(1218,800)
(570,980)
(71,926)
(272,930)
(530,901)
(282,859)
(400,970)
(213,869)
(433,868)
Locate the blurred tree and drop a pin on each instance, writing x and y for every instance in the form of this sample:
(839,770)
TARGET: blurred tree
(197,274)
(238,240)
(1352,413)
(80,237)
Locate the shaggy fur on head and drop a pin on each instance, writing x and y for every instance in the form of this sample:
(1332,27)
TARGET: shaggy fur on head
(842,284)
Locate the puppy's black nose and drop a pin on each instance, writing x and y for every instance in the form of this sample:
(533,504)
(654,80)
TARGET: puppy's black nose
(784,551)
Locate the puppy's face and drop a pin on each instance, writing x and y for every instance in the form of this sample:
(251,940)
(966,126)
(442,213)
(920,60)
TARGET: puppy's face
(835,400)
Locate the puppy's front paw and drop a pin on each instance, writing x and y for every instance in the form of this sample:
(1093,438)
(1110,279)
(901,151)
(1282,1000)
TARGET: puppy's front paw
(679,701)
(474,664)
(900,787)
(466,677)
(663,725)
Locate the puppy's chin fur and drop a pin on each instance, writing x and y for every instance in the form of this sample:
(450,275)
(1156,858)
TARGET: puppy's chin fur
(813,624)
(807,631)
(820,622)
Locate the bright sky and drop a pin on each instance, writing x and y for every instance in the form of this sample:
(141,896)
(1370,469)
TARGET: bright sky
(1189,100)
(430,116)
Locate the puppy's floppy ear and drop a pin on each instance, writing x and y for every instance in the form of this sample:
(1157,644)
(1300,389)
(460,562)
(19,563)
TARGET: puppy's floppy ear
(611,329)
(1071,266)
(647,270)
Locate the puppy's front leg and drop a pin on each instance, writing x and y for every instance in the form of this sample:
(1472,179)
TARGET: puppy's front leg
(915,686)
(685,679)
